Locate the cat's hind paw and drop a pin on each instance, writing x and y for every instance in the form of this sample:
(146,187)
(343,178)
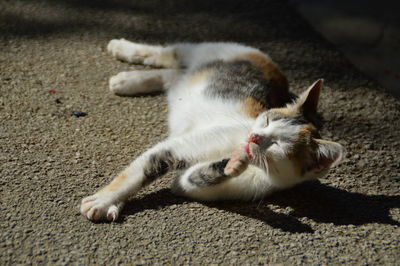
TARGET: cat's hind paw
(137,53)
(100,207)
(135,82)
(122,84)
(133,52)
(125,51)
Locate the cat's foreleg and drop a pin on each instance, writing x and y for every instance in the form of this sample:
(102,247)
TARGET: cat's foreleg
(210,181)
(143,81)
(202,175)
(107,203)
(154,55)
(238,162)
(174,153)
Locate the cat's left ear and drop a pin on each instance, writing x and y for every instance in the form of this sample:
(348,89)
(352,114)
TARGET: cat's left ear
(308,100)
(329,154)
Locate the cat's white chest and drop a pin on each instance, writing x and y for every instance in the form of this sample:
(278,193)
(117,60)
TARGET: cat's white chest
(190,109)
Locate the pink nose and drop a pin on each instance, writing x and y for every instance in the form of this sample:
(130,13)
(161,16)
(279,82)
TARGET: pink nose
(255,138)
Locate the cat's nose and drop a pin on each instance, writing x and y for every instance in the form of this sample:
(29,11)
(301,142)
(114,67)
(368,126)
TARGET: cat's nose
(255,138)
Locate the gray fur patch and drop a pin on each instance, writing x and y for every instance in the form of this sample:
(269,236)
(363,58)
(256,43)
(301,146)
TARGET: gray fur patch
(240,80)
(160,163)
(209,175)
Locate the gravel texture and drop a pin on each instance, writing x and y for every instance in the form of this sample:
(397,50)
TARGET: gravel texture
(53,62)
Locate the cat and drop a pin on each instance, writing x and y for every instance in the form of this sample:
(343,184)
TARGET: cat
(235,129)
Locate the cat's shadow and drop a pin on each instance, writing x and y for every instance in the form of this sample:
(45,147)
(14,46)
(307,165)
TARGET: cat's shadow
(315,201)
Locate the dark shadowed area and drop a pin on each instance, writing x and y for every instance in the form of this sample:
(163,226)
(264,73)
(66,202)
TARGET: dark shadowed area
(53,62)
(368,33)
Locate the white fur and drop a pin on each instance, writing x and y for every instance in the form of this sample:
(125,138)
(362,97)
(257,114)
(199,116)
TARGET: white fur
(142,81)
(193,55)
(201,129)
(142,54)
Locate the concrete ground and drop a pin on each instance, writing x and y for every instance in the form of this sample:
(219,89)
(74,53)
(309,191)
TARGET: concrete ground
(53,62)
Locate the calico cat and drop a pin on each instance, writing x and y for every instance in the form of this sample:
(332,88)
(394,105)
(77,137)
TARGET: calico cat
(235,130)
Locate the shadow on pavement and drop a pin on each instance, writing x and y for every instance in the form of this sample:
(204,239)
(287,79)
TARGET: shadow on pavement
(174,7)
(241,20)
(313,200)
(260,23)
(326,204)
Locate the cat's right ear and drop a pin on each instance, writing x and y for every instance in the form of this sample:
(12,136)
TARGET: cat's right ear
(307,103)
(308,100)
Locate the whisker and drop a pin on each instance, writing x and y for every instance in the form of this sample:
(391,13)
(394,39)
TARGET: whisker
(266,165)
(259,203)
(274,166)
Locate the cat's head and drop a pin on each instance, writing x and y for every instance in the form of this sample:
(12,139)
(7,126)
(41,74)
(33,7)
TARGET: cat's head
(286,143)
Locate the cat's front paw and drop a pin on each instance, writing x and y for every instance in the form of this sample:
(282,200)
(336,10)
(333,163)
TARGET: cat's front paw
(101,206)
(237,164)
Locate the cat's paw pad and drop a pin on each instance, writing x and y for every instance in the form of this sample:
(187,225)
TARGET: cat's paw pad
(99,207)
(237,164)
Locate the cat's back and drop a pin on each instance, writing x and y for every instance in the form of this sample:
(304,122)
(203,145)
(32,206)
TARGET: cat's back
(238,87)
(238,77)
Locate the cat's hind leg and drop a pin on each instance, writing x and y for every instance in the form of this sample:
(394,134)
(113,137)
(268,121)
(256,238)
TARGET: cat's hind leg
(143,81)
(107,203)
(154,55)
(177,55)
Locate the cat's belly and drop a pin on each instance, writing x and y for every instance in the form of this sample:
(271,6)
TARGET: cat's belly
(191,115)
(190,109)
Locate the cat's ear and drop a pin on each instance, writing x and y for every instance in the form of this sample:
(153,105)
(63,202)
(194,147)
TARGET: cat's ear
(328,155)
(308,100)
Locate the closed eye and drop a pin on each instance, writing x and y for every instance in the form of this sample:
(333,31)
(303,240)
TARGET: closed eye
(266,124)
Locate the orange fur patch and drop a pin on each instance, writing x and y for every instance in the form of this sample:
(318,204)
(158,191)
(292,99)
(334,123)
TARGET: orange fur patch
(304,152)
(306,131)
(286,111)
(252,107)
(269,69)
(279,85)
(198,77)
(116,183)
(301,149)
